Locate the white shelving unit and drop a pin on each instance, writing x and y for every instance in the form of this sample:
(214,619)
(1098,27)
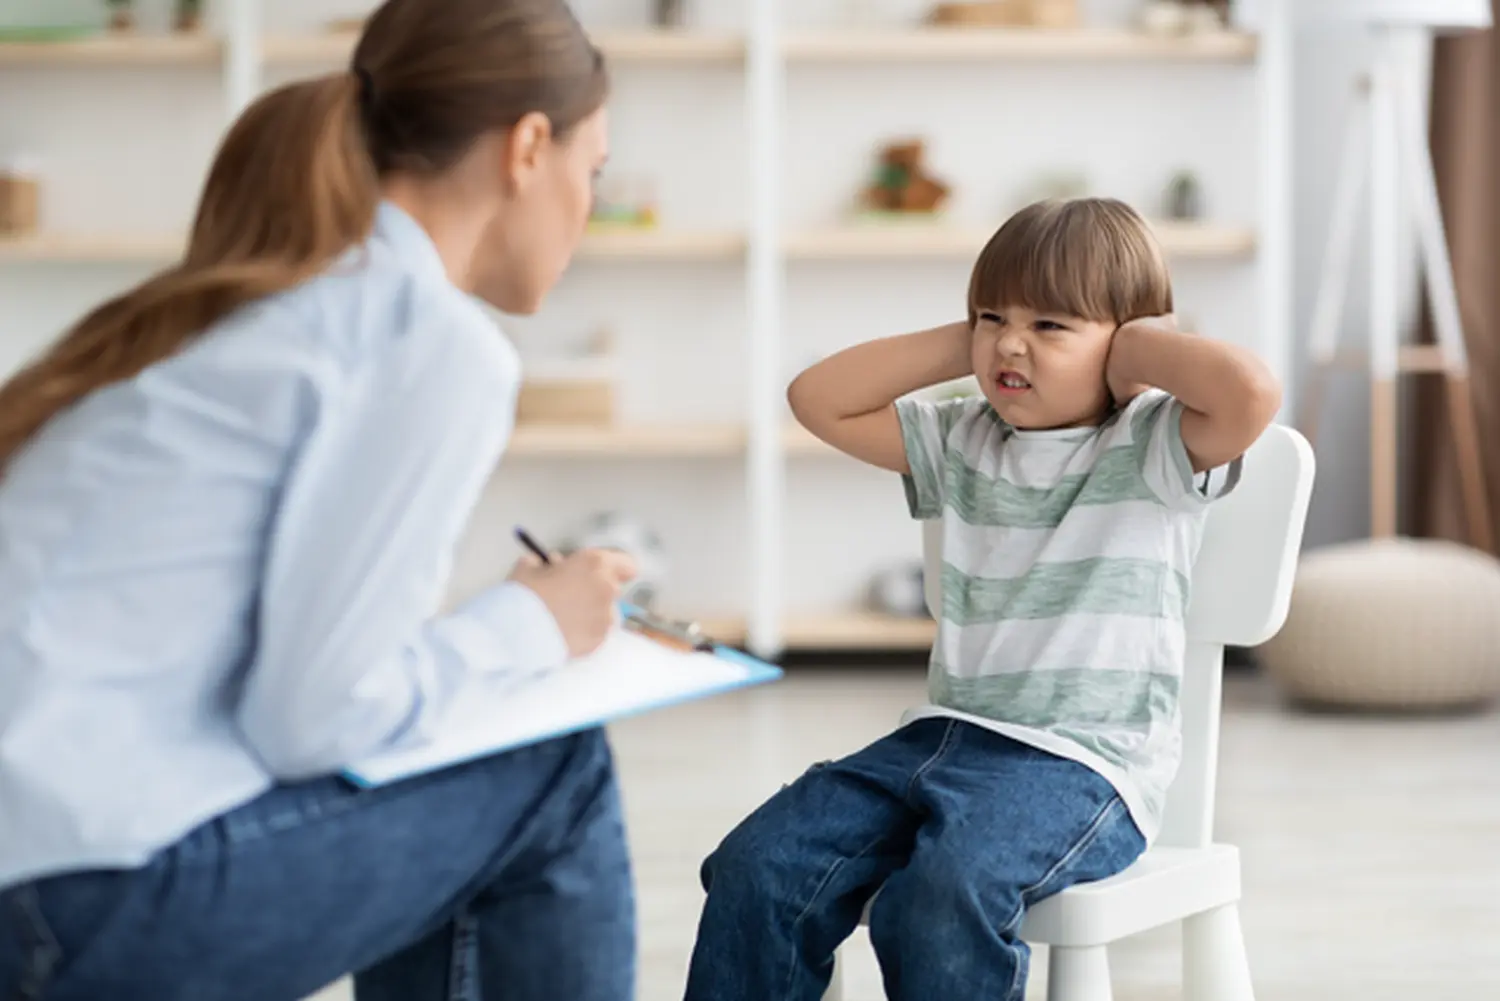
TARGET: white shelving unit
(767,51)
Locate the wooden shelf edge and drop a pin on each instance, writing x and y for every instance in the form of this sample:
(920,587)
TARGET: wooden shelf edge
(116,50)
(640,46)
(686,47)
(661,244)
(670,46)
(851,631)
(934,43)
(875,241)
(86,248)
(649,245)
(853,242)
(857,631)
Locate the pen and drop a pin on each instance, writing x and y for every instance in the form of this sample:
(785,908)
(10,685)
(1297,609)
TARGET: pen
(533,545)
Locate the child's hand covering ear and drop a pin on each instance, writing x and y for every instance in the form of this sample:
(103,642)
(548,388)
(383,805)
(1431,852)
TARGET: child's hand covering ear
(1121,387)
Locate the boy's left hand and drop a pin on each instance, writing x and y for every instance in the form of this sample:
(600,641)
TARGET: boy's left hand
(1119,367)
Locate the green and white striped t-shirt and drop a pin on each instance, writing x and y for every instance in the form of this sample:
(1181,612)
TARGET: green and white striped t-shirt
(1066,558)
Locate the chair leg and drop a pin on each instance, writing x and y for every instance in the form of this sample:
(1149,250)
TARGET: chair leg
(1078,974)
(835,990)
(1214,964)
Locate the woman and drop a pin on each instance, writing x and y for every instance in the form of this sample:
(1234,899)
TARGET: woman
(228,504)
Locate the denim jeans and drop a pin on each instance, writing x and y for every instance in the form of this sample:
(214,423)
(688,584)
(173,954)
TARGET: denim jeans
(506,879)
(957,827)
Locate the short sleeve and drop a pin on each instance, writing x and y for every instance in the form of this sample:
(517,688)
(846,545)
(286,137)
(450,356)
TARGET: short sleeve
(1155,421)
(926,432)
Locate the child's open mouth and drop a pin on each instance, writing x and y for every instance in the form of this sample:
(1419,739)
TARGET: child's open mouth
(1011,383)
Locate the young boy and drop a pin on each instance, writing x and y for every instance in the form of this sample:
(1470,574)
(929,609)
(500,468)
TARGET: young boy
(1072,494)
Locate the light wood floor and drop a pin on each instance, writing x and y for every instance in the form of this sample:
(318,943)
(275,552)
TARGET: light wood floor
(1371,846)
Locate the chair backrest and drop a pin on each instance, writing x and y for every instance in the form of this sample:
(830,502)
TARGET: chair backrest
(1241,589)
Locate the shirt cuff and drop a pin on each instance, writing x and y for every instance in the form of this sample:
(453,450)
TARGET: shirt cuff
(527,629)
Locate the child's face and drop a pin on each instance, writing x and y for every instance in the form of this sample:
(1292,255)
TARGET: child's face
(1042,370)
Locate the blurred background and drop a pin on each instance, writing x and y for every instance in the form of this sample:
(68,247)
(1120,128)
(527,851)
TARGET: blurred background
(790,178)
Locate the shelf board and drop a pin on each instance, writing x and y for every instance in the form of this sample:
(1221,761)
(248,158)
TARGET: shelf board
(619,46)
(646,245)
(670,46)
(851,631)
(686,47)
(857,631)
(936,44)
(661,244)
(797,441)
(863,241)
(83,248)
(116,50)
(628,441)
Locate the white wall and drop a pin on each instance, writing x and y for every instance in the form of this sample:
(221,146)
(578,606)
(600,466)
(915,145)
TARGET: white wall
(125,150)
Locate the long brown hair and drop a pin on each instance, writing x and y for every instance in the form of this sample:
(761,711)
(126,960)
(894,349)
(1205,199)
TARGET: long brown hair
(296,181)
(1093,258)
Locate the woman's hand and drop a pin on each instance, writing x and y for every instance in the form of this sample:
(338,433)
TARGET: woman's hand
(580,590)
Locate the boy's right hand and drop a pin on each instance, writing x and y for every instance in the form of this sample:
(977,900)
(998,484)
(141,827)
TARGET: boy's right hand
(581,591)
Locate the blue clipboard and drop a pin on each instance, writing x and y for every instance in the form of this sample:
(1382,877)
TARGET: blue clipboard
(632,674)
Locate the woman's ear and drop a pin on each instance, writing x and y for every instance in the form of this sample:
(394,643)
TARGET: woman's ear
(523,148)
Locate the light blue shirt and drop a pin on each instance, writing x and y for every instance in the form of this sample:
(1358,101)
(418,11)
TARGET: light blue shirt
(228,570)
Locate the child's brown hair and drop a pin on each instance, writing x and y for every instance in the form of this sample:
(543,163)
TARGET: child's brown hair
(1093,258)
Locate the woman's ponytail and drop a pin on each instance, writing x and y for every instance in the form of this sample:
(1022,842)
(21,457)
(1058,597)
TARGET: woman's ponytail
(297,179)
(292,187)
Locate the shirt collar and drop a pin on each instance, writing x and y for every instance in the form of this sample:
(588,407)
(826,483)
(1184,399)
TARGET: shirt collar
(409,241)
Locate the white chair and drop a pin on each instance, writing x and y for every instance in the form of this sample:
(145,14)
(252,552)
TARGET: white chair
(1242,585)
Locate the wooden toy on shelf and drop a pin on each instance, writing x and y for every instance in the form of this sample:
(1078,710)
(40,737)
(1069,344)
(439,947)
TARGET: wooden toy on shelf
(121,14)
(189,15)
(902,185)
(1007,14)
(20,195)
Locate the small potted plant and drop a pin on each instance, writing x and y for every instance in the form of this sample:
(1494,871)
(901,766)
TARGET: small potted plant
(1184,197)
(189,15)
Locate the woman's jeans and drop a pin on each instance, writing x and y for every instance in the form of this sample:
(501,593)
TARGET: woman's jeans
(503,880)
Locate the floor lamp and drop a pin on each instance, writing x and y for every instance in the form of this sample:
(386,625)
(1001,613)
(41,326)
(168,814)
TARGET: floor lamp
(1386,143)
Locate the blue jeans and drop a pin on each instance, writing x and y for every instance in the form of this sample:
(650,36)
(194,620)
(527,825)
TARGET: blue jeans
(959,828)
(506,879)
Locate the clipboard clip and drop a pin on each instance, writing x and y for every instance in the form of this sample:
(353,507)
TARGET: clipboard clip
(686,635)
(683,635)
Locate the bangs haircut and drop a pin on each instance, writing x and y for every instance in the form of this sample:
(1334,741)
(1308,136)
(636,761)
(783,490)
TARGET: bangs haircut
(1093,258)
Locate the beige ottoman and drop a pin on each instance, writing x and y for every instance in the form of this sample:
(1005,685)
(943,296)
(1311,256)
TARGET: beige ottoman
(1391,624)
